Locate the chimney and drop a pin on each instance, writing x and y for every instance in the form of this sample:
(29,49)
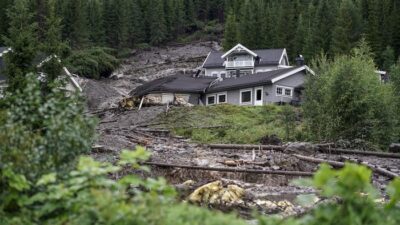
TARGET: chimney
(300,60)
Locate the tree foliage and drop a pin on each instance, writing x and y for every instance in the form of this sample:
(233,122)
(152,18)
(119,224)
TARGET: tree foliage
(346,100)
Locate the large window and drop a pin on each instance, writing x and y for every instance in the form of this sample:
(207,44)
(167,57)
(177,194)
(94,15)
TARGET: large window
(245,97)
(284,91)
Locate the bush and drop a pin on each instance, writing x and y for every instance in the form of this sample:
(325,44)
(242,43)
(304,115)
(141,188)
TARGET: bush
(93,63)
(87,196)
(40,134)
(347,101)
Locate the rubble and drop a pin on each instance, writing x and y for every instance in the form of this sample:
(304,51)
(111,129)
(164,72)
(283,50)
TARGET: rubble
(214,193)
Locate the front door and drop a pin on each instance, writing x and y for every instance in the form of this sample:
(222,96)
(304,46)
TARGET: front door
(258,96)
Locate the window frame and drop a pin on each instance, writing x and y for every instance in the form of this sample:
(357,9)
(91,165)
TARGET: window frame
(222,94)
(284,89)
(215,99)
(251,96)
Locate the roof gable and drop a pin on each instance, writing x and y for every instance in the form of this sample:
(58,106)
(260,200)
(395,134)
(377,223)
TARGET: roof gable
(266,57)
(239,47)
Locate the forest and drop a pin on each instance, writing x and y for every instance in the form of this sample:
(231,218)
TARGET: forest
(306,27)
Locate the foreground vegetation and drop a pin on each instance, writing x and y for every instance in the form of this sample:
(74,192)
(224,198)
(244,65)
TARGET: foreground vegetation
(235,124)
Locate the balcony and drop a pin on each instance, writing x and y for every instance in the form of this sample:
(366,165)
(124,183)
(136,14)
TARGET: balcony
(239,64)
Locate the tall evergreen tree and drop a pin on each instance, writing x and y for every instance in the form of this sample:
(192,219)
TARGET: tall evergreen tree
(95,22)
(4,6)
(230,35)
(348,28)
(388,58)
(53,46)
(22,39)
(157,25)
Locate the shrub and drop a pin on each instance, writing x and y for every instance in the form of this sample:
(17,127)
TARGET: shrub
(347,101)
(93,63)
(40,134)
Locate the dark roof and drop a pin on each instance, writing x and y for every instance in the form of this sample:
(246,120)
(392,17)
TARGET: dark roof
(266,57)
(248,81)
(269,56)
(176,84)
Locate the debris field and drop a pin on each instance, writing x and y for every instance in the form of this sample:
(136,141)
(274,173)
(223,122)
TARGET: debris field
(238,178)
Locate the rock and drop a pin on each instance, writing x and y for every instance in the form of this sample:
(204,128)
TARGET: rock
(394,147)
(117,76)
(304,148)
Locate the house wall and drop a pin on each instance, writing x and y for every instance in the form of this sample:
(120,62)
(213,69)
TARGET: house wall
(293,81)
(258,69)
(209,72)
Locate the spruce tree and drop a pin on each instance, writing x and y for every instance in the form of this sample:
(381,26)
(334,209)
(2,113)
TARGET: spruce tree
(95,22)
(23,42)
(348,28)
(230,35)
(388,58)
(4,25)
(53,46)
(157,25)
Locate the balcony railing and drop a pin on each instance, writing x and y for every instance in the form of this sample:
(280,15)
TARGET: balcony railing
(234,64)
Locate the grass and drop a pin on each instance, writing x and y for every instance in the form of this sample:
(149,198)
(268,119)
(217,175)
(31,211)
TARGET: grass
(234,124)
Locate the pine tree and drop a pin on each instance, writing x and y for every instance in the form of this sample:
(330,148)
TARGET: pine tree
(157,23)
(348,28)
(4,25)
(23,41)
(374,28)
(52,45)
(95,22)
(388,58)
(75,23)
(230,34)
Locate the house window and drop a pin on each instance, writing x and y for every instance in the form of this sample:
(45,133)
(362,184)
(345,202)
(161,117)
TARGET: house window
(211,100)
(279,91)
(214,74)
(284,91)
(245,96)
(223,74)
(222,98)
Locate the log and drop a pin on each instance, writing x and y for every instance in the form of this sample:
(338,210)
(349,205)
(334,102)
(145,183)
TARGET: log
(247,147)
(321,148)
(317,160)
(374,168)
(231,170)
(359,152)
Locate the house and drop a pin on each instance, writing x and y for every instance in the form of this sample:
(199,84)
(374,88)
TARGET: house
(239,76)
(71,85)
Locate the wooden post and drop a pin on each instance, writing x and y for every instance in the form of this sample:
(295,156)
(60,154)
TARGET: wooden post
(141,104)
